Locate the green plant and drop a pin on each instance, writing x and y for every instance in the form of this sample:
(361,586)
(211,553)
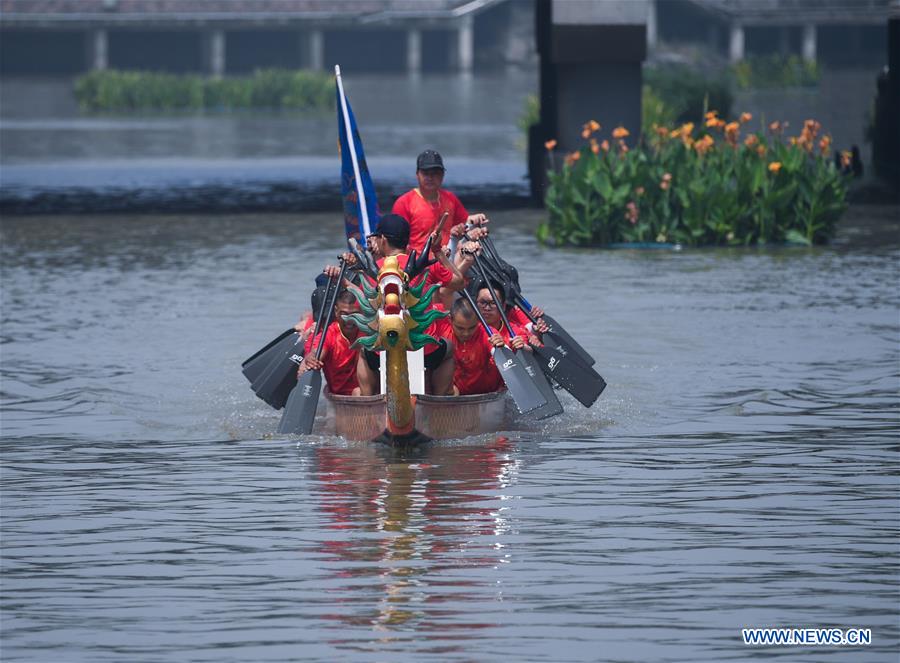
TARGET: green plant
(531,114)
(654,111)
(775,71)
(119,91)
(711,186)
(687,93)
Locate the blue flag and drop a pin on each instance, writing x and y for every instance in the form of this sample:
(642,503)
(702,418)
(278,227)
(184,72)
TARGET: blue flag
(357,191)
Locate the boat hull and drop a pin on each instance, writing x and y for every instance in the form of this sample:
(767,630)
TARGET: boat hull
(437,417)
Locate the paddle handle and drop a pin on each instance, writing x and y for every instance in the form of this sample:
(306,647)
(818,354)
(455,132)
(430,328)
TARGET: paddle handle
(363,257)
(330,311)
(438,227)
(490,289)
(322,307)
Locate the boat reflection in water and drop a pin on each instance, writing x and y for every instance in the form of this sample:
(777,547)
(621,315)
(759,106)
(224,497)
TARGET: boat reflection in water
(417,531)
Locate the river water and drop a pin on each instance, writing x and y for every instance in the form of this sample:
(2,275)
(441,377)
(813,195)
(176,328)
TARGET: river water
(740,470)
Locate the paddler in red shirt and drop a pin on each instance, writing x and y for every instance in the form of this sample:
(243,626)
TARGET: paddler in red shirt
(423,206)
(338,361)
(391,239)
(475,371)
(514,337)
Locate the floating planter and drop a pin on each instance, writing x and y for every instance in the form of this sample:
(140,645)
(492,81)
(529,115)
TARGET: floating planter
(691,186)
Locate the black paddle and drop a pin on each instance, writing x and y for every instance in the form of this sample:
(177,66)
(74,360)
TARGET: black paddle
(582,381)
(524,392)
(300,411)
(512,273)
(276,382)
(510,276)
(253,367)
(558,361)
(552,406)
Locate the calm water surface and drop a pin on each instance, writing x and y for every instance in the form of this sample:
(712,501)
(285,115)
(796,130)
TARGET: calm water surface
(740,470)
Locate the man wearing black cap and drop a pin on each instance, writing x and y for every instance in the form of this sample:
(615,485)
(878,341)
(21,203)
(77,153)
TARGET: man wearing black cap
(390,239)
(424,205)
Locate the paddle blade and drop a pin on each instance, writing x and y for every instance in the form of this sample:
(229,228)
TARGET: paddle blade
(583,382)
(553,407)
(300,412)
(524,392)
(276,382)
(562,336)
(253,367)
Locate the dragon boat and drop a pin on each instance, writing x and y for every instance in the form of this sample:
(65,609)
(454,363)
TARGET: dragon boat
(436,417)
(394,312)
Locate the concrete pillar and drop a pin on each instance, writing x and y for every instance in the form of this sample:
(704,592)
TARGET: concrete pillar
(809,43)
(414,50)
(736,43)
(215,57)
(99,50)
(465,49)
(652,34)
(316,50)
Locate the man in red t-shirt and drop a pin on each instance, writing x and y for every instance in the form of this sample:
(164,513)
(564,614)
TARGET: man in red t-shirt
(475,371)
(485,303)
(338,360)
(390,239)
(423,206)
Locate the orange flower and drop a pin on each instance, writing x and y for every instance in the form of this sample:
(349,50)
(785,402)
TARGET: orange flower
(666,181)
(775,127)
(711,115)
(604,145)
(588,128)
(731,132)
(623,148)
(846,158)
(712,121)
(825,145)
(704,144)
(631,212)
(620,132)
(774,167)
(751,140)
(595,148)
(572,157)
(746,117)
(550,144)
(761,150)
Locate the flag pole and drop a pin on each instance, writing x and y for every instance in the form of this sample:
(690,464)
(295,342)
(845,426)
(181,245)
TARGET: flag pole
(351,144)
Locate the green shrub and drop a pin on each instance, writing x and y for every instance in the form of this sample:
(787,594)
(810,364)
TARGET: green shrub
(140,91)
(775,71)
(687,93)
(707,187)
(654,111)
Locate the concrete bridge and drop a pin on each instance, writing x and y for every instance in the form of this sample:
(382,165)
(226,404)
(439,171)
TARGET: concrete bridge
(233,36)
(784,27)
(221,37)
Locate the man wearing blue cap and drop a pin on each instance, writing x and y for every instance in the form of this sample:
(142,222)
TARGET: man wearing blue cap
(424,205)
